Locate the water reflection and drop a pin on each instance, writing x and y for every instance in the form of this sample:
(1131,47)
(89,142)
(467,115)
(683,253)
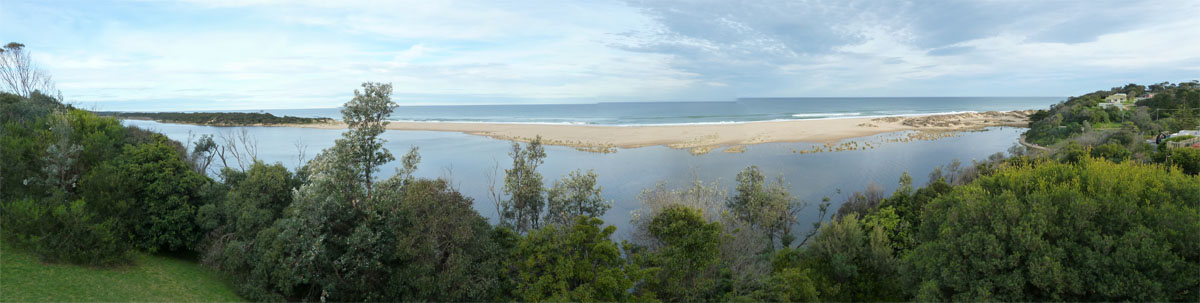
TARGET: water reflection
(467,160)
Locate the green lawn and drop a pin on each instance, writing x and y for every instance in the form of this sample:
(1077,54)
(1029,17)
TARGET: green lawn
(151,278)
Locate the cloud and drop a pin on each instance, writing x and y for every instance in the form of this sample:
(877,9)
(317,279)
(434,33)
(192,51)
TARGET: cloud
(277,54)
(799,48)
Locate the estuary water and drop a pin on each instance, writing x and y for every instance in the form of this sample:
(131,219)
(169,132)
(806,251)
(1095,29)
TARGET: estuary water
(466,160)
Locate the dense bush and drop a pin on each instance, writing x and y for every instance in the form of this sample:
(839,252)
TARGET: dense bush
(64,232)
(575,263)
(1110,151)
(686,263)
(57,161)
(1184,159)
(1092,231)
(152,192)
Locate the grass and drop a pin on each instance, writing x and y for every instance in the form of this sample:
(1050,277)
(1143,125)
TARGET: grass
(150,278)
(1107,125)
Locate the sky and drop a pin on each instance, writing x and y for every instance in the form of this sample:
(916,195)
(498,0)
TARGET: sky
(266,54)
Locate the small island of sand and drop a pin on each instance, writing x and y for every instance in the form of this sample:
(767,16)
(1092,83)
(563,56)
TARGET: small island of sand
(701,138)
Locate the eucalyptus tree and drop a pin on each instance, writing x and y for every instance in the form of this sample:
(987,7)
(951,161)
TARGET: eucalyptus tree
(768,207)
(20,75)
(523,184)
(366,116)
(576,194)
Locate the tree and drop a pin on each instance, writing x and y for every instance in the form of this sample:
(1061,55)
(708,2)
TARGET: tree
(366,116)
(407,240)
(768,207)
(203,153)
(20,75)
(686,263)
(576,263)
(575,195)
(1092,231)
(1185,117)
(852,262)
(523,185)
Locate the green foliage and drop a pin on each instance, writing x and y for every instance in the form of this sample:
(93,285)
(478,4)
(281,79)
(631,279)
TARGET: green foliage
(153,194)
(343,239)
(899,215)
(1174,104)
(769,208)
(254,200)
(522,210)
(1186,160)
(1111,151)
(575,195)
(81,193)
(366,115)
(685,264)
(68,232)
(576,263)
(217,119)
(1091,231)
(25,136)
(852,262)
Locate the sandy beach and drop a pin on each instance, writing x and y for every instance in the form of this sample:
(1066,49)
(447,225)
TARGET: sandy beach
(701,138)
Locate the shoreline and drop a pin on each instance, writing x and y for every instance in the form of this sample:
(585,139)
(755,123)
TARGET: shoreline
(702,138)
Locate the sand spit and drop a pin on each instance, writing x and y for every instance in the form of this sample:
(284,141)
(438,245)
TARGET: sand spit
(702,138)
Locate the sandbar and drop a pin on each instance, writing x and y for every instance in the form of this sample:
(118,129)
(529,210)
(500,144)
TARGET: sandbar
(701,138)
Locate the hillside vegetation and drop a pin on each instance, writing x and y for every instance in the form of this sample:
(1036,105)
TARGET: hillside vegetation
(89,207)
(1081,224)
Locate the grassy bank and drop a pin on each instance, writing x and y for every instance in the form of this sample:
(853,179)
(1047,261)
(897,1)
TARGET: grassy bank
(151,278)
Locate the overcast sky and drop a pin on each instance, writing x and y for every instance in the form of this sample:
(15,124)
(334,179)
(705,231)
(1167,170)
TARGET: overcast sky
(245,54)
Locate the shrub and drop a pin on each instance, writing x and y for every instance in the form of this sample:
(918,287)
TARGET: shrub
(152,192)
(1111,151)
(64,232)
(1092,231)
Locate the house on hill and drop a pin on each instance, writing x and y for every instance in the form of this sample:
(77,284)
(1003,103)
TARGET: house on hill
(1115,100)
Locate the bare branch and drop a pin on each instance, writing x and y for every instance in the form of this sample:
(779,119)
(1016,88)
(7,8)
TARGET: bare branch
(21,76)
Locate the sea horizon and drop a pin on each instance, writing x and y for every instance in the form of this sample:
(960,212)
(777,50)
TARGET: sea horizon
(649,113)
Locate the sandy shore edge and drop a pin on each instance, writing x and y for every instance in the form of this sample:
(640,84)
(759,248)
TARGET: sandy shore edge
(701,138)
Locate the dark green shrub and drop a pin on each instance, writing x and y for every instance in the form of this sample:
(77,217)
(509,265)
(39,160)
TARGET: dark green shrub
(65,232)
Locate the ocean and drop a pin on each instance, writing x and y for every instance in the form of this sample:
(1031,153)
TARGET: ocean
(466,159)
(657,113)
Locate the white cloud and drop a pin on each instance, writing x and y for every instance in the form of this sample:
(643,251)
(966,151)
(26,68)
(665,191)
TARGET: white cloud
(275,54)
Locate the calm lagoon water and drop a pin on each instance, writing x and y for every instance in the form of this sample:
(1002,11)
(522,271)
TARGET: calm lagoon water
(466,160)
